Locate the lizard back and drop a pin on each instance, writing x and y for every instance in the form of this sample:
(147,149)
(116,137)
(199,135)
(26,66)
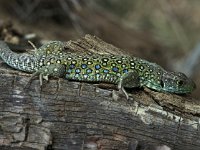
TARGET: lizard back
(106,68)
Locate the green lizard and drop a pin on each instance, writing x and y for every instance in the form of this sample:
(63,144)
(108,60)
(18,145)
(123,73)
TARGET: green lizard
(127,72)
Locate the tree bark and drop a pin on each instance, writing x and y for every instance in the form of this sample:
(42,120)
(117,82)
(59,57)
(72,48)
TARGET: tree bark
(77,115)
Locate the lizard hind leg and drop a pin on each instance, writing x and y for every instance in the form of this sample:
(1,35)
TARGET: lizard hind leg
(52,47)
(129,80)
(53,70)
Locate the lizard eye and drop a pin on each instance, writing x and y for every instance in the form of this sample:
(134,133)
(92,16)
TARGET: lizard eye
(180,83)
(162,83)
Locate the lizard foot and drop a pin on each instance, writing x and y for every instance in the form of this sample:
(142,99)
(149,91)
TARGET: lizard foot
(116,94)
(128,80)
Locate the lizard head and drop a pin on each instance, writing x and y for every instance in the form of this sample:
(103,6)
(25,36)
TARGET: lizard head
(176,82)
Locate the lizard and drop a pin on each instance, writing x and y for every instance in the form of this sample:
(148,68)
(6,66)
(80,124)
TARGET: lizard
(124,71)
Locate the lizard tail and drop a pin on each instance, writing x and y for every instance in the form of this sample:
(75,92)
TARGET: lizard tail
(23,62)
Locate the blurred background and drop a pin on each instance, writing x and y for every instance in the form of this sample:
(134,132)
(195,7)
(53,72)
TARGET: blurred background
(161,31)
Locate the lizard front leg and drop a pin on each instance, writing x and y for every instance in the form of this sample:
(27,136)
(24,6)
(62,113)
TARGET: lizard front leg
(128,80)
(53,70)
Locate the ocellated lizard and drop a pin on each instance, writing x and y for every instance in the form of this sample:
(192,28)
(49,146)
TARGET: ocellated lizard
(125,71)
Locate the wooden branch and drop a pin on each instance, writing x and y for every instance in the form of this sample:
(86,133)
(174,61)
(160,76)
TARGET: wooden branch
(73,115)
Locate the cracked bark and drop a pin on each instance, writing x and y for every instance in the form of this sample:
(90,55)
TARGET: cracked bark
(73,115)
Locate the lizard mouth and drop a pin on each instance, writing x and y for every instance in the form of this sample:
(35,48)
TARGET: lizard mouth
(179,91)
(182,90)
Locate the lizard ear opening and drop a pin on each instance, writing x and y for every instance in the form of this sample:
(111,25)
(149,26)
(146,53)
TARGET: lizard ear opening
(162,83)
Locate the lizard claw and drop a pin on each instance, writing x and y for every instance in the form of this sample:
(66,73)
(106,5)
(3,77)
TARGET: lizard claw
(115,94)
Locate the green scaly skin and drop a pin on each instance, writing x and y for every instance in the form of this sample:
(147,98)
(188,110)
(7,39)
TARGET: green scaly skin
(125,71)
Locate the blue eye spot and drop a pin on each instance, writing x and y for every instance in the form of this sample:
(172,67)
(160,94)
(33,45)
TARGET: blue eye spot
(125,71)
(76,76)
(97,67)
(69,71)
(72,66)
(84,66)
(106,71)
(89,70)
(115,69)
(67,75)
(78,70)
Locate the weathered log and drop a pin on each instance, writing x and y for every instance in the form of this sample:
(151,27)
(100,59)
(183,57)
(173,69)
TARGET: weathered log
(76,115)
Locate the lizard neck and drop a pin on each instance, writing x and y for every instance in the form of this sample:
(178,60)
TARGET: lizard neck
(150,74)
